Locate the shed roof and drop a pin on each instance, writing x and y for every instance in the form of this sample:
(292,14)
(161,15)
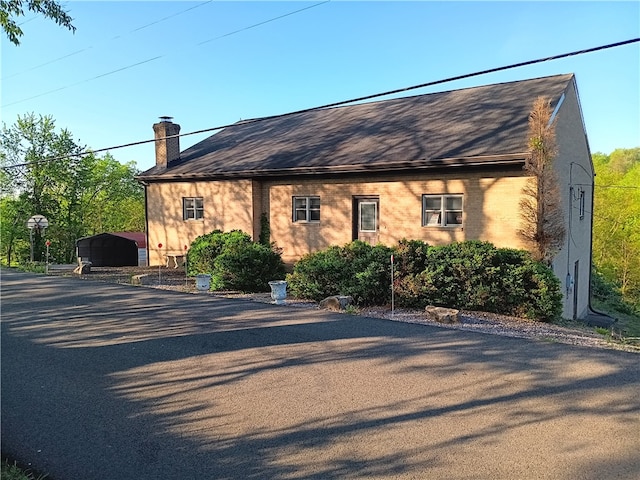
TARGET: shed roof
(479,125)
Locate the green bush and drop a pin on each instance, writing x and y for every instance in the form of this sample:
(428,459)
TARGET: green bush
(609,294)
(357,269)
(470,275)
(235,262)
(475,275)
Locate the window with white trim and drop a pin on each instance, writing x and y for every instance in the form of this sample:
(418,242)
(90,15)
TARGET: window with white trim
(192,208)
(306,209)
(581,199)
(442,210)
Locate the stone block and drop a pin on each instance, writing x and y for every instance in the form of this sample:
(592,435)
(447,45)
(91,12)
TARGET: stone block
(442,314)
(142,279)
(336,302)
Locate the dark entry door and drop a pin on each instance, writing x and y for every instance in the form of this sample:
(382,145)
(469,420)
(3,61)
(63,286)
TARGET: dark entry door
(366,219)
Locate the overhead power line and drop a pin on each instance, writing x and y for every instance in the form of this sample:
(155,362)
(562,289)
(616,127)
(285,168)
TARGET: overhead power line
(71,54)
(345,102)
(142,62)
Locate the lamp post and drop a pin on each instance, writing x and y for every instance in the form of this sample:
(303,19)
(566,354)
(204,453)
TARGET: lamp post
(37,223)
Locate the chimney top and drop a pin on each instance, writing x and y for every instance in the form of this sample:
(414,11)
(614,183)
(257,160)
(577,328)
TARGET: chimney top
(167,136)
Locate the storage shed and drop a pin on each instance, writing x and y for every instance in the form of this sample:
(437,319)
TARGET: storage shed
(120,249)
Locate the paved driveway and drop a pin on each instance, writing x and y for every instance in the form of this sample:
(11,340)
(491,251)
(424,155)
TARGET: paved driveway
(102,381)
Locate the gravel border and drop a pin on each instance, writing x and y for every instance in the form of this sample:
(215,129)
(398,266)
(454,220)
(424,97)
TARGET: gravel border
(481,322)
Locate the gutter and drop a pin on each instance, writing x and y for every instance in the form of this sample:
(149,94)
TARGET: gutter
(392,167)
(590,307)
(146,216)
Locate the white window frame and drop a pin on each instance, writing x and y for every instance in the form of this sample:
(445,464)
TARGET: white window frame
(305,207)
(437,217)
(581,200)
(190,210)
(375,216)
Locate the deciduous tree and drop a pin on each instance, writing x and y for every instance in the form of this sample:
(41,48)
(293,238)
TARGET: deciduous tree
(541,209)
(46,172)
(616,224)
(10,10)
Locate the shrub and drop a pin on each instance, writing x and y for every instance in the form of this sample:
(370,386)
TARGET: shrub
(357,269)
(608,293)
(235,262)
(469,275)
(475,275)
(248,268)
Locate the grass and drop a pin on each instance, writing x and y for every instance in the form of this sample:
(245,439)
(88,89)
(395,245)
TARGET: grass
(628,324)
(11,471)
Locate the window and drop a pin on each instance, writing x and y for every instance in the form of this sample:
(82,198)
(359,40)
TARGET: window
(581,199)
(368,216)
(192,208)
(306,209)
(441,210)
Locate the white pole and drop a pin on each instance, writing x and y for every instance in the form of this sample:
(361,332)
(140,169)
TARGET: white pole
(392,292)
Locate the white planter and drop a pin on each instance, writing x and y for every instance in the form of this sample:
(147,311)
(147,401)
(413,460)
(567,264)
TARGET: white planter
(278,291)
(203,282)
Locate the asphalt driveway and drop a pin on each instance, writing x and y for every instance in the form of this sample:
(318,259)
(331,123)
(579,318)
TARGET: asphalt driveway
(103,381)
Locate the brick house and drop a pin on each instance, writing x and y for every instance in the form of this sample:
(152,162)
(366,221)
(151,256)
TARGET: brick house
(439,167)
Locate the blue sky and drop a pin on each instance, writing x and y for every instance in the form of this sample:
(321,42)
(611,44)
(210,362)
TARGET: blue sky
(213,63)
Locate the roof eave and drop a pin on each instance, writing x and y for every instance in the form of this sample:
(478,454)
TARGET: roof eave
(391,167)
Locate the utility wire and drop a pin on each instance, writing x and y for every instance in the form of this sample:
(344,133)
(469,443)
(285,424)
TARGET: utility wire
(263,23)
(344,102)
(71,54)
(127,67)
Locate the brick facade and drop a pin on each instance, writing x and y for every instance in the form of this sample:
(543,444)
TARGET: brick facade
(490,210)
(490,189)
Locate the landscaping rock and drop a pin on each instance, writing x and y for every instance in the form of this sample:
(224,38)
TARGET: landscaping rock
(442,314)
(83,268)
(142,279)
(336,302)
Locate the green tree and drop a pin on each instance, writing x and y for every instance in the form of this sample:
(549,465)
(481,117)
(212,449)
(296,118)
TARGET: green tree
(10,10)
(47,173)
(14,237)
(113,200)
(41,165)
(616,224)
(541,211)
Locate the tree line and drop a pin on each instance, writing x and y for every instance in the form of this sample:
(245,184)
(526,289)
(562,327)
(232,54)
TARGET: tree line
(80,195)
(616,222)
(83,195)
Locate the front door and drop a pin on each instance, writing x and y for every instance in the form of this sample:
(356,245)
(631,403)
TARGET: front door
(366,219)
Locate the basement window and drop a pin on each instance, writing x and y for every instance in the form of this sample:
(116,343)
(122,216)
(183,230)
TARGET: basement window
(306,209)
(442,210)
(192,208)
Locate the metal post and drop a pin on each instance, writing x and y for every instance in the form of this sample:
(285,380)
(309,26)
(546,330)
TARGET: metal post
(31,242)
(159,263)
(186,269)
(392,289)
(46,268)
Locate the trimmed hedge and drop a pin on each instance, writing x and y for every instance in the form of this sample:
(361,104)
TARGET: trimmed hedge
(469,275)
(235,262)
(357,269)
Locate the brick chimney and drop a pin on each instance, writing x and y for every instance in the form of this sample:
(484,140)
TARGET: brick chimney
(167,149)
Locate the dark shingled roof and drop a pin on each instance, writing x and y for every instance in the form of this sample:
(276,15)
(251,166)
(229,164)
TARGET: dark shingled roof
(479,125)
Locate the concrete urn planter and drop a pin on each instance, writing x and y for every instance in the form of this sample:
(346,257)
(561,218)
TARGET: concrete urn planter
(203,282)
(278,291)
